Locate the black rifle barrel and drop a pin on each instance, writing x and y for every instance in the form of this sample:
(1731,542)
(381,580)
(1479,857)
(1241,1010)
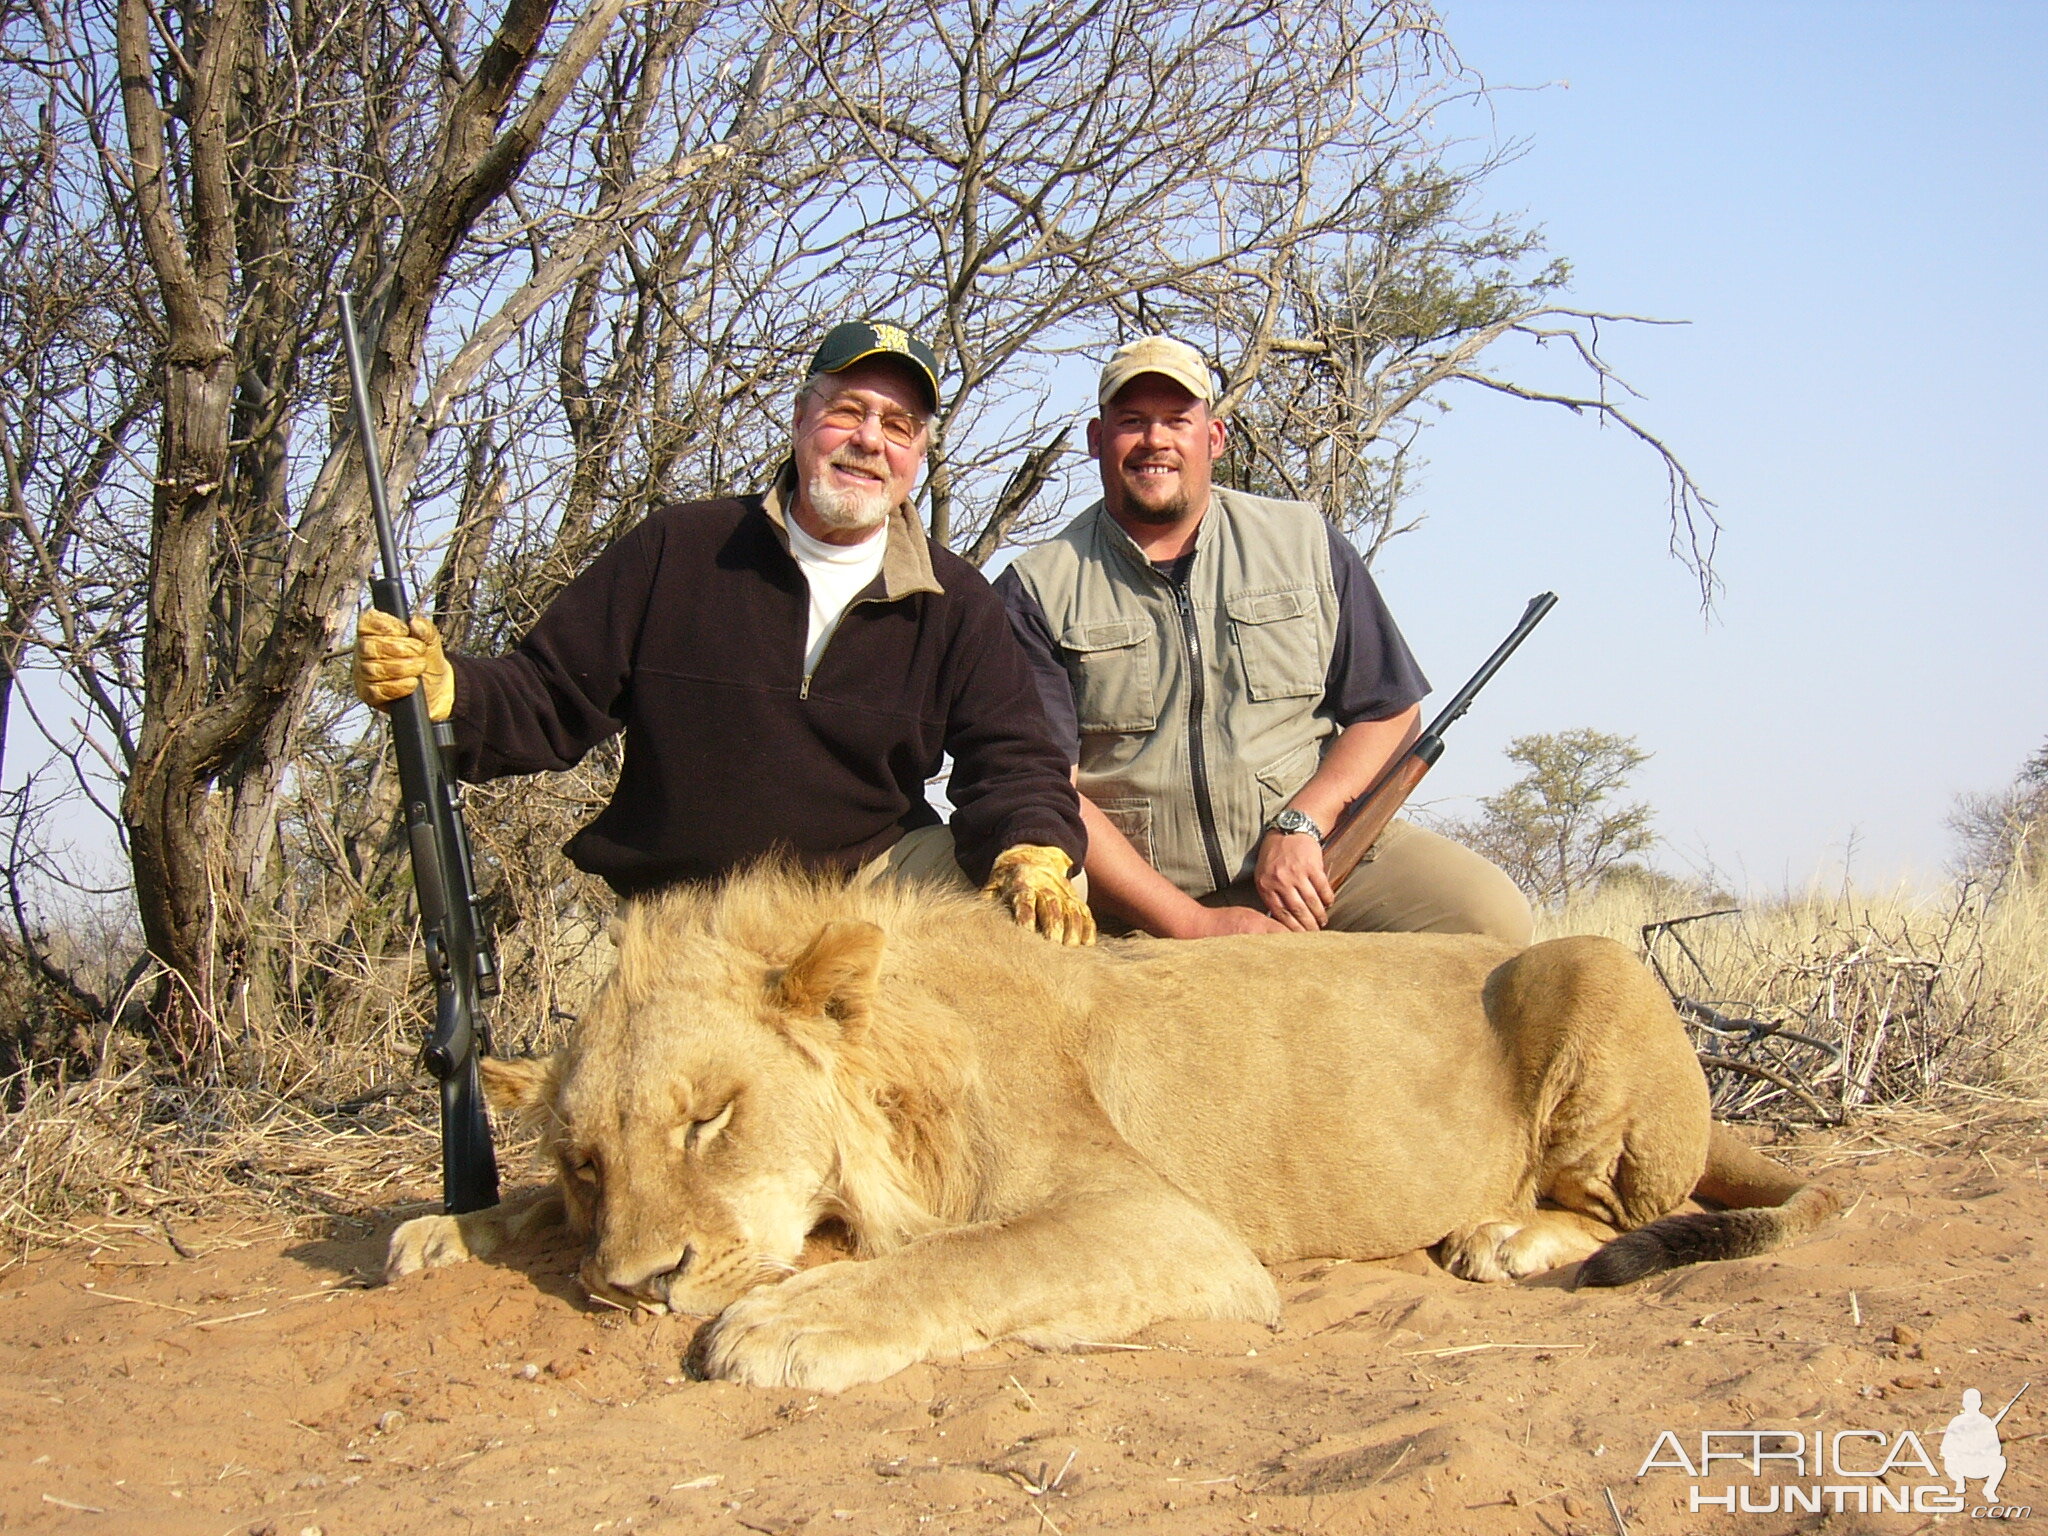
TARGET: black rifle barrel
(456,937)
(373,468)
(1352,840)
(1461,701)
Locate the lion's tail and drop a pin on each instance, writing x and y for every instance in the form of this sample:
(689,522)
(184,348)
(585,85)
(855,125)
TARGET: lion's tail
(1767,1206)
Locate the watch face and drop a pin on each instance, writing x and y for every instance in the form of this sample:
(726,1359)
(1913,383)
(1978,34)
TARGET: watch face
(1291,820)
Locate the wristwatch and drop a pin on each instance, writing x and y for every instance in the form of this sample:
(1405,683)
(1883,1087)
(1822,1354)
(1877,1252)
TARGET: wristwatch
(1291,820)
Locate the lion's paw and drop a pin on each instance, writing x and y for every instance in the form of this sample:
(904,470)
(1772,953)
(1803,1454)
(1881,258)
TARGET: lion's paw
(1499,1250)
(1482,1252)
(1515,1250)
(425,1242)
(815,1330)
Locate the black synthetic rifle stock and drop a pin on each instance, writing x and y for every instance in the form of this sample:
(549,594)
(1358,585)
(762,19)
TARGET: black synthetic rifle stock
(457,935)
(1350,842)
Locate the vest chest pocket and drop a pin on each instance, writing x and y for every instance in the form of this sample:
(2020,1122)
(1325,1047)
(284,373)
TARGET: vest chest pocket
(1279,640)
(1115,675)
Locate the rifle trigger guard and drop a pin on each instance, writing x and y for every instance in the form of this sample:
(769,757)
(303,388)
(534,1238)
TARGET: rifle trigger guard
(437,959)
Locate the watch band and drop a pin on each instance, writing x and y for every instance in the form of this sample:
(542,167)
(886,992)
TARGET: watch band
(1291,820)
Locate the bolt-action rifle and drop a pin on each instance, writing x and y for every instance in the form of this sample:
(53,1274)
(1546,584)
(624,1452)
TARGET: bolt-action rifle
(456,932)
(1351,842)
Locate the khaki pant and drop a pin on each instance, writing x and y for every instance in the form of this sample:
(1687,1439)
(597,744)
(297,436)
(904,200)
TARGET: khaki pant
(1417,882)
(922,853)
(926,854)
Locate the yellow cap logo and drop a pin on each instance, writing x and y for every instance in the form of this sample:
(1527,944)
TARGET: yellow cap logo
(892,338)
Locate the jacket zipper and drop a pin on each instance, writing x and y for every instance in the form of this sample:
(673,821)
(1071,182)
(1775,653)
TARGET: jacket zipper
(804,692)
(1198,758)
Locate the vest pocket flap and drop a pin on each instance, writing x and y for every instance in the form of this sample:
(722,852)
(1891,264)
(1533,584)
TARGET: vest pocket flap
(1282,643)
(1294,769)
(1112,636)
(1269,607)
(1112,668)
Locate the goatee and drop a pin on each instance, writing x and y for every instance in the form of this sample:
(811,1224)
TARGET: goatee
(847,510)
(1165,514)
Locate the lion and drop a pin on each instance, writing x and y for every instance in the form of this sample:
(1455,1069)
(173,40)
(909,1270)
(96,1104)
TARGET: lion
(1061,1146)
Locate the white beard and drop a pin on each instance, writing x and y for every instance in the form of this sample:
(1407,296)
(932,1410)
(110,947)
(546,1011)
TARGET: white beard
(846,510)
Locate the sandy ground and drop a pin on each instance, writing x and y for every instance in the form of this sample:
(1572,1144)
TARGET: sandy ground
(260,1385)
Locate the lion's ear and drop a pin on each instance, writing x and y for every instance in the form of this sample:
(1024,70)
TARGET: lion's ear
(519,1086)
(835,975)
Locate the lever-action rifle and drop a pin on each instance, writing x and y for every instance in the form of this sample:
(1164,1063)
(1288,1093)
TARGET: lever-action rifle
(1351,842)
(457,934)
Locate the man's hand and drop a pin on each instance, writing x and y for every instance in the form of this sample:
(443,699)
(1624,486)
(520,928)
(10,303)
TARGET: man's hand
(1032,882)
(1219,922)
(392,659)
(1292,882)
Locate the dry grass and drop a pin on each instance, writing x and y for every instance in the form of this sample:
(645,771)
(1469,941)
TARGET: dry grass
(78,1156)
(1904,997)
(337,1123)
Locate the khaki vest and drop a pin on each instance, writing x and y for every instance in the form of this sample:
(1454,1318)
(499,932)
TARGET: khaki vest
(1191,774)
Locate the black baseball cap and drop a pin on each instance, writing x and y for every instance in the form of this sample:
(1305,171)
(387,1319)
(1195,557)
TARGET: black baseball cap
(844,345)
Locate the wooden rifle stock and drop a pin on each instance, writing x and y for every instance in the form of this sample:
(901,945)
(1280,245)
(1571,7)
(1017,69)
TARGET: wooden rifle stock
(1351,842)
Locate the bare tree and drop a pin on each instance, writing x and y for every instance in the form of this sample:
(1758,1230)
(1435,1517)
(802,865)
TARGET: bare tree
(1352,341)
(2004,833)
(75,345)
(266,157)
(222,140)
(1265,181)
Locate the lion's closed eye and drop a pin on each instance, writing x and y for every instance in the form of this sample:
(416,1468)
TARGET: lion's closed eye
(581,1166)
(698,1134)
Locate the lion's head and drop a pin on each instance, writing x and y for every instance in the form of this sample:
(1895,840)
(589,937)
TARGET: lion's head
(715,1105)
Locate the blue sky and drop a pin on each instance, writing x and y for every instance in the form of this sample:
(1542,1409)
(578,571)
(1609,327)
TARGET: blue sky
(1846,203)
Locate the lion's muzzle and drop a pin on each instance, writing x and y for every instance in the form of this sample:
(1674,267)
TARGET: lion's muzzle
(641,1283)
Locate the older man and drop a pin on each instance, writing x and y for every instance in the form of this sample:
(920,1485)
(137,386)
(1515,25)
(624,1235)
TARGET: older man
(1225,678)
(788,669)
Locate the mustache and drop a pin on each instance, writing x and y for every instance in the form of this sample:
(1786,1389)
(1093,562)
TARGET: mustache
(876,464)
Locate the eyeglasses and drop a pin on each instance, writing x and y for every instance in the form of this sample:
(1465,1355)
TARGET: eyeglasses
(899,428)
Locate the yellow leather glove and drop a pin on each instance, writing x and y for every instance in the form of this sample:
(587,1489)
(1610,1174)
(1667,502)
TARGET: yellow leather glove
(391,660)
(1032,882)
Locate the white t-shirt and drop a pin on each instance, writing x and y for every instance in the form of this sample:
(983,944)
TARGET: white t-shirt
(837,574)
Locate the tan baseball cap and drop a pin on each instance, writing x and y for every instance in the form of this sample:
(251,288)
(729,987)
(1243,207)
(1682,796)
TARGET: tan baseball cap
(1162,355)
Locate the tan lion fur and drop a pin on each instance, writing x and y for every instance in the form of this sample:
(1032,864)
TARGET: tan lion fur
(1057,1145)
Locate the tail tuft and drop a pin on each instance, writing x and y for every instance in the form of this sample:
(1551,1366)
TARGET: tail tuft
(1695,1237)
(1670,1243)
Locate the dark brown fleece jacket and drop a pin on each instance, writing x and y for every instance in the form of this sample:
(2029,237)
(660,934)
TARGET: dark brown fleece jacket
(688,634)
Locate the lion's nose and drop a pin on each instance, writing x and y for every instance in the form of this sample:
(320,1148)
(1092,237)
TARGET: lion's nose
(648,1283)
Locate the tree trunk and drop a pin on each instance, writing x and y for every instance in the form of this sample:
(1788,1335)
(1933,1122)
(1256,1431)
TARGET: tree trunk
(165,806)
(243,598)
